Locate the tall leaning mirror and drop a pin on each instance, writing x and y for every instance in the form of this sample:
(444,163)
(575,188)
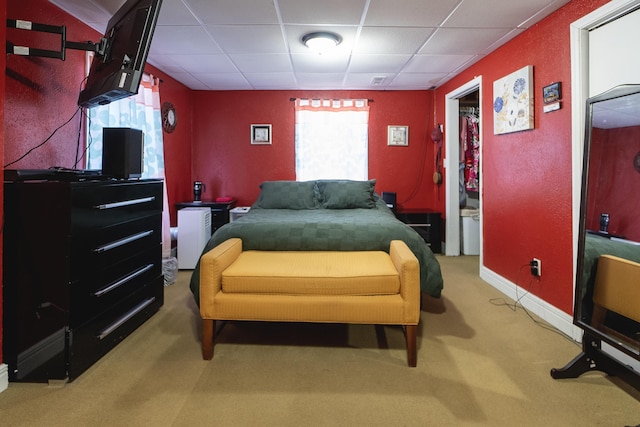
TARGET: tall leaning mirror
(607,289)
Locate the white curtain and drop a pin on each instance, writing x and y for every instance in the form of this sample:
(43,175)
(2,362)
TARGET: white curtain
(331,139)
(141,111)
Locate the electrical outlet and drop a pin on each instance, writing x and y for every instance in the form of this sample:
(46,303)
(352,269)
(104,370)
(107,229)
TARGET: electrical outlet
(536,267)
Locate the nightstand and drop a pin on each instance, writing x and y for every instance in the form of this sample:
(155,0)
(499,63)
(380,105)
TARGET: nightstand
(427,223)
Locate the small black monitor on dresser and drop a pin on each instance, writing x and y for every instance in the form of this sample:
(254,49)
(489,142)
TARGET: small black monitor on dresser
(122,152)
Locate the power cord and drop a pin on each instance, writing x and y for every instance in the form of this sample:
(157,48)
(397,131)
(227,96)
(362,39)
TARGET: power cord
(43,142)
(514,306)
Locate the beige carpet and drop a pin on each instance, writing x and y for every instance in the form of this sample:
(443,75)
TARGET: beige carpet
(479,363)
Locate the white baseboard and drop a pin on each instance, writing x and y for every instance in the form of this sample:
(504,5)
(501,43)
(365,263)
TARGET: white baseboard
(550,314)
(4,377)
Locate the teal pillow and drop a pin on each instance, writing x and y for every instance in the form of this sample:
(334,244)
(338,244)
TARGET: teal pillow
(345,194)
(286,195)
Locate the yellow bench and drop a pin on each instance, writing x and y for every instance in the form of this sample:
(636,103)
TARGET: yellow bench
(364,287)
(617,289)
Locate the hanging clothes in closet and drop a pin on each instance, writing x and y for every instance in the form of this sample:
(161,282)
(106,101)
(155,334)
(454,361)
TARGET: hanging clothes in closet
(470,148)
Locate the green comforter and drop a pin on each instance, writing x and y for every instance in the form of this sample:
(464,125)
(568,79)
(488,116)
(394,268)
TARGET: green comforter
(594,247)
(327,229)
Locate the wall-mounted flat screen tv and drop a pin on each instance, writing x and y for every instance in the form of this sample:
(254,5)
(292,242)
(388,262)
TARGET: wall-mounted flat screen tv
(117,67)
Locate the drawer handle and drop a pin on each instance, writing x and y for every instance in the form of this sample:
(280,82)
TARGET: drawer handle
(122,281)
(124,203)
(128,315)
(124,241)
(419,225)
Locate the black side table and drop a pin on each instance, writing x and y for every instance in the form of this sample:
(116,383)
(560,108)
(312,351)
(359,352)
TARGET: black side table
(427,223)
(219,211)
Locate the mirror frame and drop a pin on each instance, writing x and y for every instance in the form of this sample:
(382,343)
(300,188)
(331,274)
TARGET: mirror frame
(592,356)
(616,92)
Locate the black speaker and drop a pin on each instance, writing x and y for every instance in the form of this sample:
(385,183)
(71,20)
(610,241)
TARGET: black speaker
(122,152)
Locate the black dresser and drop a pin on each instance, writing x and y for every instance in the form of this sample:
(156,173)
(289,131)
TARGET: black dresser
(82,270)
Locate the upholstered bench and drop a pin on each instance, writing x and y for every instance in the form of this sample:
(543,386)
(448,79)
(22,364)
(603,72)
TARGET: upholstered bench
(364,287)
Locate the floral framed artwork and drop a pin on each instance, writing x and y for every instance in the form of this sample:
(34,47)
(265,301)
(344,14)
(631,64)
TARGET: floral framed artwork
(260,134)
(513,102)
(398,135)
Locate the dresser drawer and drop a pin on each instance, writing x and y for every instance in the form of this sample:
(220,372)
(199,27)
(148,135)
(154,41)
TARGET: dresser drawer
(91,341)
(101,289)
(106,246)
(104,207)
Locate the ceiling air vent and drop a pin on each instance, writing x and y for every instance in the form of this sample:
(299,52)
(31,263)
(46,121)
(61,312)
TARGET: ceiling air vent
(377,80)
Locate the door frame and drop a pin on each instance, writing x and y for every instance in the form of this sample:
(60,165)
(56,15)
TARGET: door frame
(450,162)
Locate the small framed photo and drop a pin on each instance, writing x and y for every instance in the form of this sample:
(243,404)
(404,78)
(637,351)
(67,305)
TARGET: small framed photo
(261,134)
(552,93)
(398,135)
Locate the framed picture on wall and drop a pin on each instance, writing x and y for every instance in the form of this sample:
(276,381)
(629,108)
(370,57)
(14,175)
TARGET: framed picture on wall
(260,134)
(552,93)
(398,135)
(513,102)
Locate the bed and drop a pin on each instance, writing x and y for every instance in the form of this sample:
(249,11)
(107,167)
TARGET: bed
(596,245)
(327,215)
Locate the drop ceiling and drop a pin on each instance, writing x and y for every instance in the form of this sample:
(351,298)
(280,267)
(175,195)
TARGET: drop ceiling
(387,44)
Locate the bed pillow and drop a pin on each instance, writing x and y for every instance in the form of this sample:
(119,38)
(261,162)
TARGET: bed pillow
(345,194)
(286,195)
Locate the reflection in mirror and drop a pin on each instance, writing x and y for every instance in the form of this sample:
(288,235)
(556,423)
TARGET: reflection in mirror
(607,298)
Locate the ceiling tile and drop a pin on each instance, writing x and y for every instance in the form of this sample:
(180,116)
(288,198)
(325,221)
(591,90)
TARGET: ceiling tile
(436,63)
(262,63)
(271,81)
(234,11)
(248,39)
(408,13)
(378,63)
(205,63)
(473,13)
(176,13)
(462,41)
(183,40)
(314,63)
(391,40)
(326,12)
(223,81)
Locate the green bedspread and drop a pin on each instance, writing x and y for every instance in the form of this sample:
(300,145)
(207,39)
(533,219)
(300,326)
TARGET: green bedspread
(327,229)
(594,247)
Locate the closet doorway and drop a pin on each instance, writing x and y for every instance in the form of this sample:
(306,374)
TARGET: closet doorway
(461,103)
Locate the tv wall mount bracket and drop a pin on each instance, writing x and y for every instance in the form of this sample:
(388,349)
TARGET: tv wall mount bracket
(99,47)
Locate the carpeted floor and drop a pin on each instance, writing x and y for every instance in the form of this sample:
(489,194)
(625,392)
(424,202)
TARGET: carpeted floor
(479,363)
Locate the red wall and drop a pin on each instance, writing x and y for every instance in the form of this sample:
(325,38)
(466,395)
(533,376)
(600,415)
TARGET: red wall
(613,180)
(229,165)
(527,175)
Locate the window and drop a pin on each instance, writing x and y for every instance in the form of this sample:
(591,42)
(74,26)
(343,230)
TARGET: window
(141,111)
(331,139)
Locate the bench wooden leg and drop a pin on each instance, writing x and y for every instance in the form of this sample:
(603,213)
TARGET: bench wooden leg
(208,338)
(412,351)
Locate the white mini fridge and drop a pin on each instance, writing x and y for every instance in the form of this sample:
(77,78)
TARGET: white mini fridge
(194,231)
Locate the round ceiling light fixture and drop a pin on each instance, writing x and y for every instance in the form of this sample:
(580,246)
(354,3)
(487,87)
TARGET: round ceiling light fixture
(321,41)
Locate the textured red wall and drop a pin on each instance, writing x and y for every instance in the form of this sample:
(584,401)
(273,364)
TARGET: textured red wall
(230,166)
(42,93)
(613,180)
(527,175)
